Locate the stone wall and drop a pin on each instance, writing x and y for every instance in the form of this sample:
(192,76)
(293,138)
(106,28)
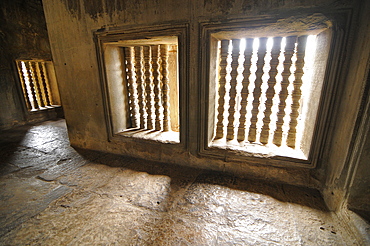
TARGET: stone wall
(72,24)
(23,35)
(359,183)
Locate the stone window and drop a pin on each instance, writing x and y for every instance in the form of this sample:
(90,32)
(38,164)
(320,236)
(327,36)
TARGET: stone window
(264,89)
(38,84)
(141,80)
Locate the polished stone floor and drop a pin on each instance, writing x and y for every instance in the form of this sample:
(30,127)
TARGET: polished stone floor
(53,194)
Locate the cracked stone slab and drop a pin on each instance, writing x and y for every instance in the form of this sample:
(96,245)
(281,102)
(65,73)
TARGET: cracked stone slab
(63,167)
(66,165)
(26,157)
(32,209)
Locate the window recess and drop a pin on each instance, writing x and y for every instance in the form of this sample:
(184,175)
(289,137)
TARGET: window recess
(38,84)
(142,86)
(264,91)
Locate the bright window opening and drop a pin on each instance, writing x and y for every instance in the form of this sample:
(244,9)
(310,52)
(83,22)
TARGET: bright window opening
(38,84)
(264,92)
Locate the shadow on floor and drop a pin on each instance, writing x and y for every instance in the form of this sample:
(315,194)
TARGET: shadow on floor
(282,192)
(9,145)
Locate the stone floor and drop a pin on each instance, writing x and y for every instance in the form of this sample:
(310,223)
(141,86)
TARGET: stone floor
(53,194)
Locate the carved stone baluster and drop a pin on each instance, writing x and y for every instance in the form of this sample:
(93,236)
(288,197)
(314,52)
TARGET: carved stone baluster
(41,82)
(234,74)
(157,86)
(244,93)
(148,86)
(288,53)
(257,89)
(140,84)
(131,85)
(270,93)
(23,82)
(222,89)
(165,88)
(34,102)
(297,93)
(45,79)
(36,82)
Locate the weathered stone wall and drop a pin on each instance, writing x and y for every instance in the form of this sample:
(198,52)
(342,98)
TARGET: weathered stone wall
(339,160)
(71,24)
(23,34)
(359,186)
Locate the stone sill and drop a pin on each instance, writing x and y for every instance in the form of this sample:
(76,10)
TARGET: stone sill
(255,149)
(158,136)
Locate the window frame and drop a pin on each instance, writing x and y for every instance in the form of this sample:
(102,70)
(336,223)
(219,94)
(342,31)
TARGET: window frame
(329,93)
(120,33)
